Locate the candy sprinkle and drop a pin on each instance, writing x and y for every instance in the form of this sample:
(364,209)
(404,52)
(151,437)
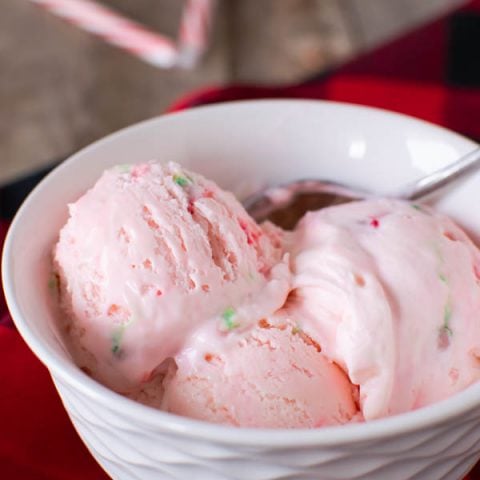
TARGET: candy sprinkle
(180,180)
(227,316)
(445,332)
(116,341)
(447,314)
(443,340)
(442,277)
(53,282)
(296,330)
(252,236)
(117,336)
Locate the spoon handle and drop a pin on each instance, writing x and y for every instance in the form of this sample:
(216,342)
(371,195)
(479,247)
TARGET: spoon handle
(439,178)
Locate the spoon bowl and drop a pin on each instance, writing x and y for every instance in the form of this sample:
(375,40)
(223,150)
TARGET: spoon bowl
(285,204)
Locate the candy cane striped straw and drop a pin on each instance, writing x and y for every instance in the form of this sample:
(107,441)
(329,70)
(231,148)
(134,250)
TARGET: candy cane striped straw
(150,46)
(194,30)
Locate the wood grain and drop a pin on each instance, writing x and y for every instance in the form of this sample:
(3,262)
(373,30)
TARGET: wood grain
(61,88)
(65,88)
(286,41)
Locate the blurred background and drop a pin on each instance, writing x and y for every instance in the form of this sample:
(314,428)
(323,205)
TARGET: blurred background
(62,88)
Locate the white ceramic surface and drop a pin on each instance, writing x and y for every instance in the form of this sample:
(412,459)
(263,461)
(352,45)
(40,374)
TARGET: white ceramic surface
(242,146)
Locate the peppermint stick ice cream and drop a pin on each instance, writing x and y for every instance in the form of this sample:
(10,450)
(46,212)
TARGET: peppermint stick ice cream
(391,290)
(172,295)
(153,254)
(271,376)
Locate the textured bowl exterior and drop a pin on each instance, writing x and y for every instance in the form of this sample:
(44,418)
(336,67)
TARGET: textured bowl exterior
(130,450)
(244,146)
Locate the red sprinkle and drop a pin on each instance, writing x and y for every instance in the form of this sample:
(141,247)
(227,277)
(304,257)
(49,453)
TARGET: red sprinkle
(212,358)
(309,341)
(191,207)
(443,340)
(147,264)
(252,236)
(263,323)
(453,374)
(152,224)
(147,215)
(374,223)
(207,193)
(451,236)
(140,170)
(113,309)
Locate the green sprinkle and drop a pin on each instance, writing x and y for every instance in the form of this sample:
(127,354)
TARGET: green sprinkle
(53,282)
(116,341)
(445,329)
(227,316)
(117,337)
(447,314)
(180,180)
(442,277)
(417,207)
(296,330)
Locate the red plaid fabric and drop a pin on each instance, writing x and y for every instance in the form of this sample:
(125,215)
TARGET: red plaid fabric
(37,439)
(418,75)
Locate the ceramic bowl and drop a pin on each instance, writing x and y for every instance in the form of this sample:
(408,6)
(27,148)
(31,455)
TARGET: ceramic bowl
(243,146)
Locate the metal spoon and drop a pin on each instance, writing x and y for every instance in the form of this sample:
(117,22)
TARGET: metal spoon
(276,203)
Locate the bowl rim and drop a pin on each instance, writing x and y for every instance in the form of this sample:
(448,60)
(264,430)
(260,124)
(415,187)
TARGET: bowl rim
(153,419)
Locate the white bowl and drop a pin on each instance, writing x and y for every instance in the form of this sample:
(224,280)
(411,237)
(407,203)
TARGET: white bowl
(241,146)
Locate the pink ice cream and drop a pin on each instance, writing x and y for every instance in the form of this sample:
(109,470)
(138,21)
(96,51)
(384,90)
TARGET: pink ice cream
(151,255)
(174,296)
(273,376)
(391,291)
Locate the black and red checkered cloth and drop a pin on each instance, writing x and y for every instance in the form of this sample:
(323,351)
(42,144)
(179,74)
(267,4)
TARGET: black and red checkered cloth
(432,73)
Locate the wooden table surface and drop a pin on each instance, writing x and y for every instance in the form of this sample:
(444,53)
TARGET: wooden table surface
(61,88)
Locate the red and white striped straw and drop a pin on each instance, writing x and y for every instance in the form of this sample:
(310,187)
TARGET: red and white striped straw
(150,46)
(194,30)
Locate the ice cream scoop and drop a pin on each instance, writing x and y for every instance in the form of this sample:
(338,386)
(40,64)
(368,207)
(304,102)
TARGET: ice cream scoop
(148,256)
(391,291)
(273,376)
